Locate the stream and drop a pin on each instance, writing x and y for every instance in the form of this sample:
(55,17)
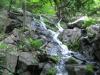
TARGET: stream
(57,47)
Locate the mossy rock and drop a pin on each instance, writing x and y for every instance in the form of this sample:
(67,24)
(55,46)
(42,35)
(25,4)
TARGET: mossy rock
(71,61)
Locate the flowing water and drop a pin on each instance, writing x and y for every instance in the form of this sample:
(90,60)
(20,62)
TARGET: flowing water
(58,48)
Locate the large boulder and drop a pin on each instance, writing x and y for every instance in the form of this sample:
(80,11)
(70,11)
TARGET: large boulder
(70,35)
(23,63)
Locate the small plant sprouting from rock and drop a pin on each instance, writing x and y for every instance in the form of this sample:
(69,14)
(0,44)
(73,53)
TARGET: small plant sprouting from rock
(52,71)
(29,44)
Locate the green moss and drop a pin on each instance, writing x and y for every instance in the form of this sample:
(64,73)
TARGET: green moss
(72,61)
(55,59)
(52,71)
(89,69)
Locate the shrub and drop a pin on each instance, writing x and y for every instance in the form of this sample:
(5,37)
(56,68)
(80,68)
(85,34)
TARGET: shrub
(75,45)
(89,69)
(3,45)
(36,43)
(89,21)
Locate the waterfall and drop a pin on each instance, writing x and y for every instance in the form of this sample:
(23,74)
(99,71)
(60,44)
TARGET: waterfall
(61,48)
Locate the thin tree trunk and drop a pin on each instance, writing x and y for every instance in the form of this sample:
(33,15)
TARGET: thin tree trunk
(24,12)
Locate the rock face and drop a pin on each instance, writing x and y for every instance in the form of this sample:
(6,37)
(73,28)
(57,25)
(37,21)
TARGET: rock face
(70,35)
(22,63)
(11,61)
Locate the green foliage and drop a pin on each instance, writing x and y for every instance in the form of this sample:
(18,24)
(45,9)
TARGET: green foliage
(41,6)
(55,59)
(36,43)
(52,71)
(89,69)
(89,21)
(4,3)
(3,45)
(72,61)
(75,45)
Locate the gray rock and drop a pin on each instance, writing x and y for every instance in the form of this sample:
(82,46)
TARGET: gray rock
(78,69)
(11,62)
(71,35)
(93,29)
(13,38)
(46,70)
(27,58)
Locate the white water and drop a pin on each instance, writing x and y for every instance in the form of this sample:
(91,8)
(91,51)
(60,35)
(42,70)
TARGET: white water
(63,49)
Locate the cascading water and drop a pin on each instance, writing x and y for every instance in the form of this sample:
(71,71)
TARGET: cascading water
(58,48)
